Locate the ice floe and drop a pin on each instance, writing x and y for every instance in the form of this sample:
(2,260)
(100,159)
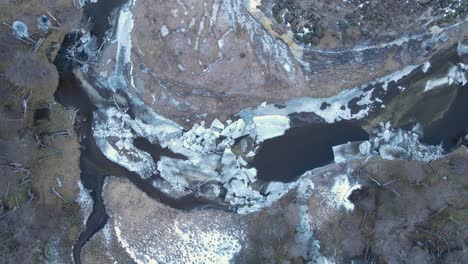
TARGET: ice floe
(456,75)
(208,152)
(389,143)
(401,144)
(270,126)
(347,151)
(114,136)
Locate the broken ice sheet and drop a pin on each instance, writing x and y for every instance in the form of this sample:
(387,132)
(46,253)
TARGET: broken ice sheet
(395,144)
(347,151)
(456,74)
(270,126)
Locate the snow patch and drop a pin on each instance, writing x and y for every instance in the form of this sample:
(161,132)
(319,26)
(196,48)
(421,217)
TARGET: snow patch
(164,31)
(341,190)
(85,201)
(426,66)
(194,245)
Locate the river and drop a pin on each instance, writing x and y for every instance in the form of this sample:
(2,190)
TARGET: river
(302,148)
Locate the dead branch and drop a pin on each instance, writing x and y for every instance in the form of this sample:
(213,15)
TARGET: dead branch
(390,182)
(363,218)
(51,148)
(31,196)
(432,168)
(49,157)
(5,215)
(366,259)
(24,103)
(7,25)
(80,61)
(102,44)
(25,180)
(65,133)
(73,113)
(115,103)
(46,105)
(17,167)
(38,44)
(57,194)
(395,192)
(7,191)
(40,140)
(55,19)
(374,180)
(20,167)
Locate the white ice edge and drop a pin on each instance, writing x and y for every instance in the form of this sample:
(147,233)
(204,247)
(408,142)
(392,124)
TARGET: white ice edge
(456,74)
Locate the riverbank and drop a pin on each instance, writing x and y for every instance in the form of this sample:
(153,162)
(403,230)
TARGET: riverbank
(40,149)
(341,212)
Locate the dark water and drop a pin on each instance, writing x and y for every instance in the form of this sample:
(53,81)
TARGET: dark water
(303,148)
(98,14)
(453,126)
(309,144)
(94,166)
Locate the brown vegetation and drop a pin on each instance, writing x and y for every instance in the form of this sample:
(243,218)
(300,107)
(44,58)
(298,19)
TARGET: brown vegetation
(30,214)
